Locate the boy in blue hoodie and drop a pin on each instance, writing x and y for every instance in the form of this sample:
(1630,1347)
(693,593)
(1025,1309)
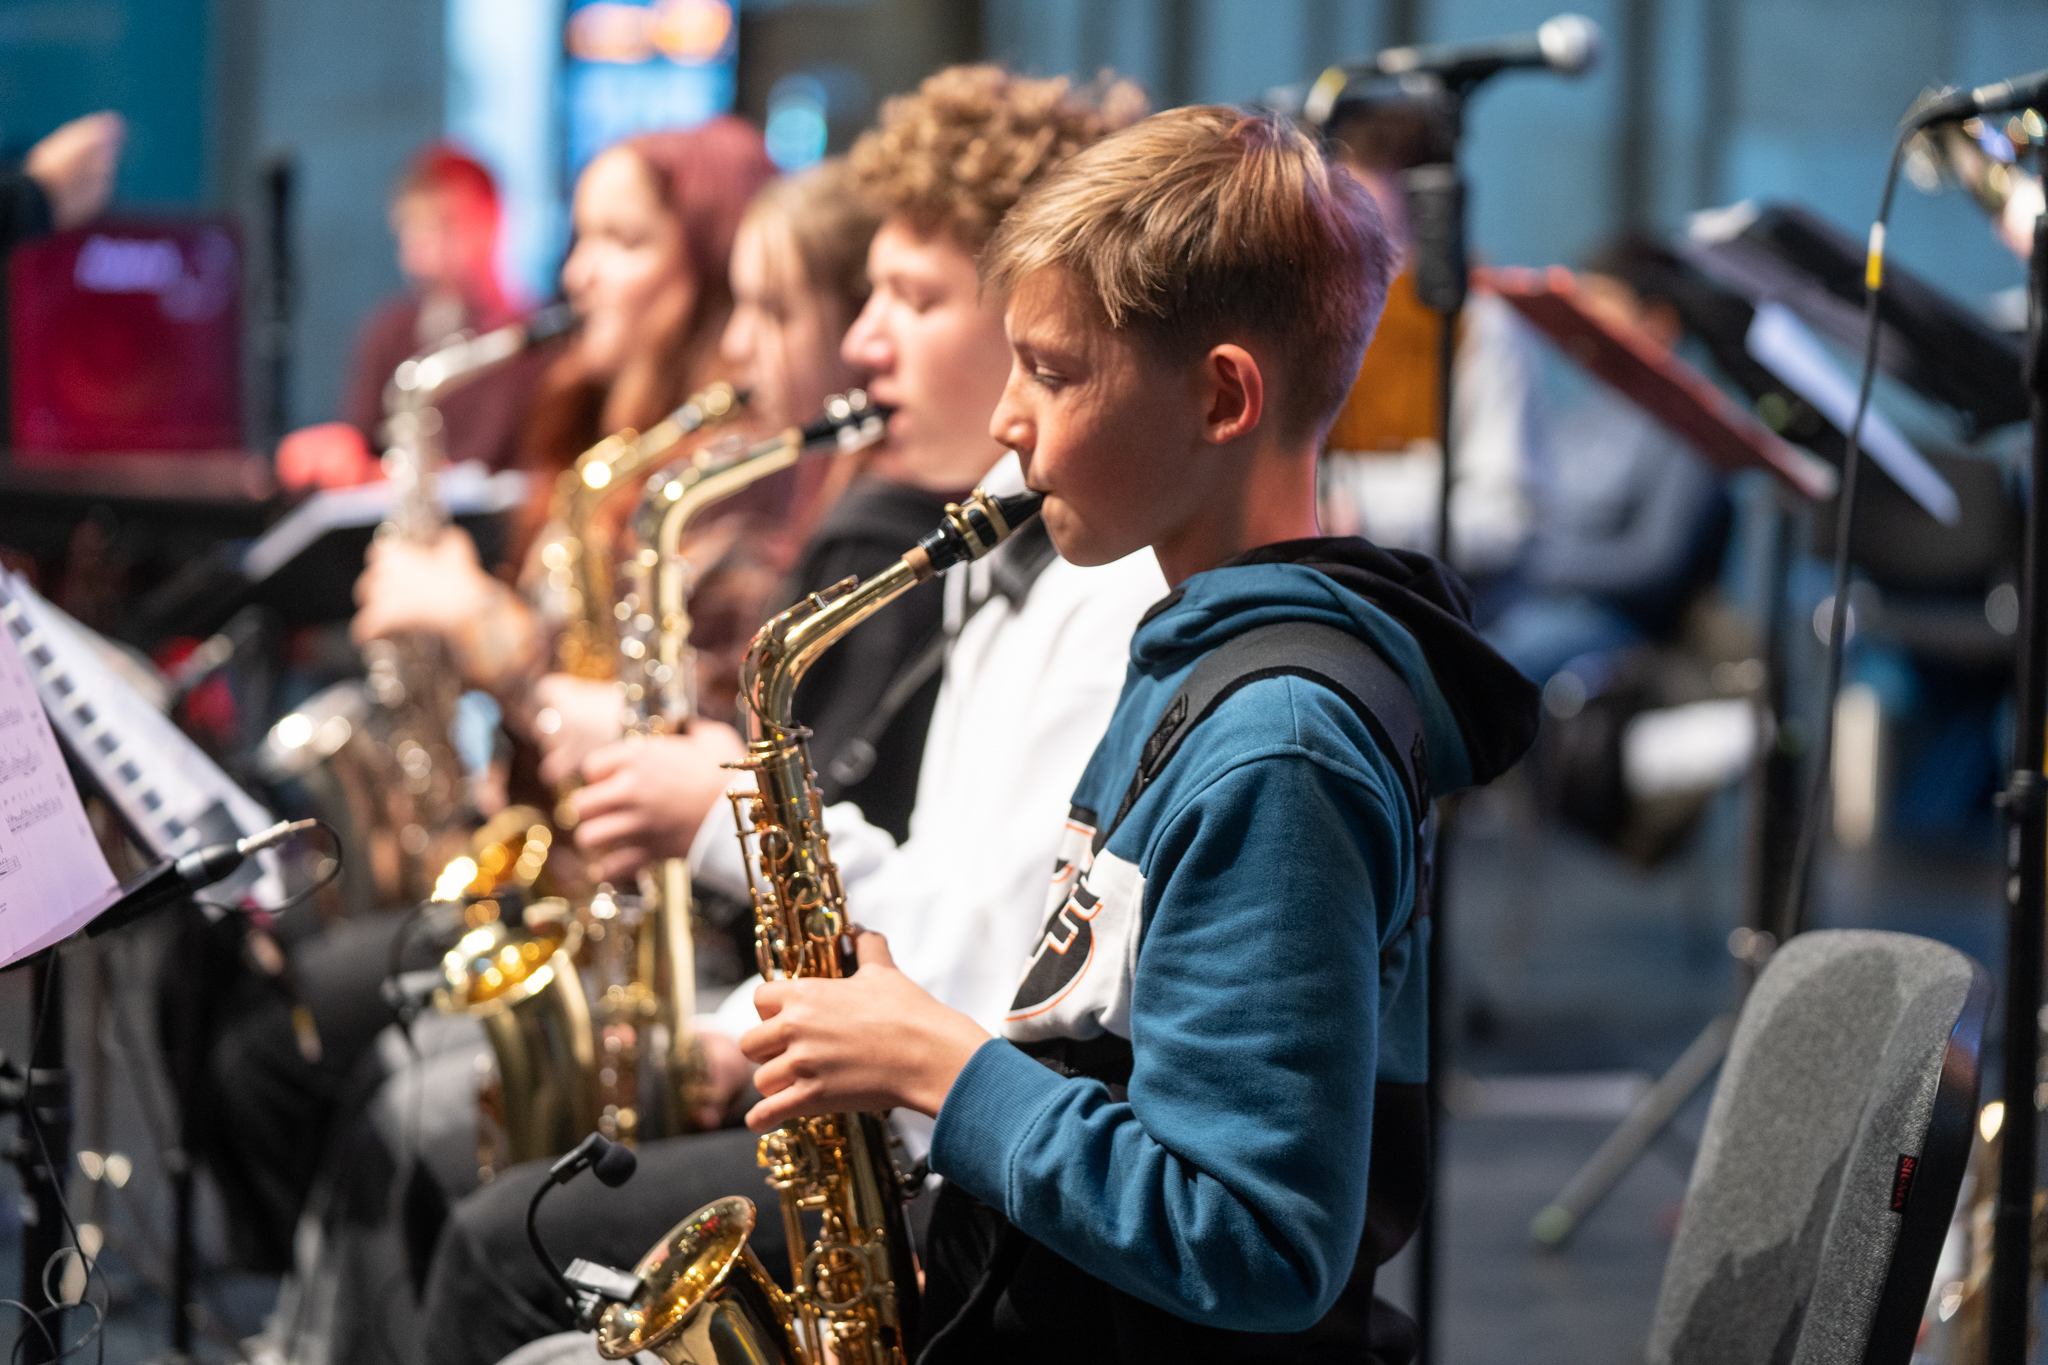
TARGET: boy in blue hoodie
(1203,1129)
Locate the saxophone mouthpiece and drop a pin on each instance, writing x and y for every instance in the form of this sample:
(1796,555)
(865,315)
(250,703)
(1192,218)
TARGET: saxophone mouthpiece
(973,528)
(851,420)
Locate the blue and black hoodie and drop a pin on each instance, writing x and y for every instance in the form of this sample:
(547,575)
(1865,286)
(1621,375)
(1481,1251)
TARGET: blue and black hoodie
(1205,1129)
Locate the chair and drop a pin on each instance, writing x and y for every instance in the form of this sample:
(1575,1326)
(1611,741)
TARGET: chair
(1831,1159)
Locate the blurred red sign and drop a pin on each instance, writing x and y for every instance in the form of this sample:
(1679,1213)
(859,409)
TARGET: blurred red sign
(127,336)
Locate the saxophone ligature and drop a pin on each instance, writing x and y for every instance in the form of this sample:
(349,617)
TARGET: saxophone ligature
(703,1298)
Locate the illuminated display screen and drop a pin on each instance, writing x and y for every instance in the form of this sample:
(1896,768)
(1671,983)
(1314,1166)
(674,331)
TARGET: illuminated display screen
(636,65)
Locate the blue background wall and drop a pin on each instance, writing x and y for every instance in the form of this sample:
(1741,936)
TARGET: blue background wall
(147,58)
(1739,98)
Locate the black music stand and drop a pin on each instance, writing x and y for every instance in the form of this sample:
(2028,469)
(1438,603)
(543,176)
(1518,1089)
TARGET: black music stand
(1730,438)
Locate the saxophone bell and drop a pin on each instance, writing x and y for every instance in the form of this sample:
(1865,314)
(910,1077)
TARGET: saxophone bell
(704,1298)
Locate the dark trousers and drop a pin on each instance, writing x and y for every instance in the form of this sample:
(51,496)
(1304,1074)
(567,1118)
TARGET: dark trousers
(486,1293)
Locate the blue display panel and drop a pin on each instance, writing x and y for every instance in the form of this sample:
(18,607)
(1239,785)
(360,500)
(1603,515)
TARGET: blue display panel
(636,65)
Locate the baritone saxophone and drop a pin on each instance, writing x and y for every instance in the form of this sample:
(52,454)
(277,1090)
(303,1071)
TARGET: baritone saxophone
(703,1297)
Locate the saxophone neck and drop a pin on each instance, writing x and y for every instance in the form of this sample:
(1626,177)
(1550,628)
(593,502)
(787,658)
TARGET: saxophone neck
(789,644)
(785,648)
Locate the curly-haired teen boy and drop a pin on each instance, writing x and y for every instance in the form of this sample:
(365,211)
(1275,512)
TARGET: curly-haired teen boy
(1203,1129)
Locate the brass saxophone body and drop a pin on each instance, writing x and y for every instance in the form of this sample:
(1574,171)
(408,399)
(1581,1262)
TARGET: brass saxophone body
(579,560)
(608,1046)
(413,683)
(645,1012)
(703,1297)
(562,1064)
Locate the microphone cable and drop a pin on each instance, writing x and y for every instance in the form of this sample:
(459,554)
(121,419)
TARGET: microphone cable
(96,1334)
(1962,104)
(56,1310)
(1820,785)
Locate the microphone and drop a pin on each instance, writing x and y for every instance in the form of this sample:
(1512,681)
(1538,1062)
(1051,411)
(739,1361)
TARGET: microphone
(1568,44)
(175,878)
(586,1285)
(2015,93)
(611,1162)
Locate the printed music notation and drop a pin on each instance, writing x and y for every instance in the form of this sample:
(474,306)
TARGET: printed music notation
(53,877)
(17,764)
(34,813)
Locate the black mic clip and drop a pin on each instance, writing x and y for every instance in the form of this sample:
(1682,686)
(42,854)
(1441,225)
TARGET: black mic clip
(588,1287)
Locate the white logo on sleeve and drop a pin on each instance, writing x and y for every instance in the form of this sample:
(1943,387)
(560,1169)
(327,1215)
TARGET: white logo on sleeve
(1077,983)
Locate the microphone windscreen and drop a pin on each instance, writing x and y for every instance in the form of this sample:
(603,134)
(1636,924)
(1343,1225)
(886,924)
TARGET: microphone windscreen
(616,1166)
(1570,43)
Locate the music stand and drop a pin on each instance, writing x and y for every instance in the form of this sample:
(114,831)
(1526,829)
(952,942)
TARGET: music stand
(1727,436)
(171,799)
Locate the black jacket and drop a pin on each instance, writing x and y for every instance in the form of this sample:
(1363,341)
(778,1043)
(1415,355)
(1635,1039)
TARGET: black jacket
(860,755)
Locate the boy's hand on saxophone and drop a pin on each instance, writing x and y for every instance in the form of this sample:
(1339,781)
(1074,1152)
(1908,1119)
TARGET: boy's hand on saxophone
(872,1041)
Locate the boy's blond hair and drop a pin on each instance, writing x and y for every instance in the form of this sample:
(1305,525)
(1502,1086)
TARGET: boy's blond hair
(1204,224)
(954,156)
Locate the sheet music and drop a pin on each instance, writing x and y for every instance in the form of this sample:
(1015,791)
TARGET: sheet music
(53,877)
(171,794)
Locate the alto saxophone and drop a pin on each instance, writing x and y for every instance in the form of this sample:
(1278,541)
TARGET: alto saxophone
(412,679)
(570,1059)
(703,1296)
(578,560)
(647,961)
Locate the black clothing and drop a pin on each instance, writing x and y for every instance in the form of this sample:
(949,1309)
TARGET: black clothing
(24,210)
(24,214)
(866,531)
(487,1295)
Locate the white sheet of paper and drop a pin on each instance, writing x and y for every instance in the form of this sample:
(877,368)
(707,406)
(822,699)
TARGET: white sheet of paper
(1782,344)
(53,877)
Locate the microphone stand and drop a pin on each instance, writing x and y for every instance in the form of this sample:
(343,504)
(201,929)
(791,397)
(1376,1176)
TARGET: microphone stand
(41,1148)
(41,1100)
(2026,813)
(1435,198)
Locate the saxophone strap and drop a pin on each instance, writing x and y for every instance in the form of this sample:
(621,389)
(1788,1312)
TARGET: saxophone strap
(1336,659)
(1325,655)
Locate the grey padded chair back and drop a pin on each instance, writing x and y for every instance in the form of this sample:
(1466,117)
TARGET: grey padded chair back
(1832,1156)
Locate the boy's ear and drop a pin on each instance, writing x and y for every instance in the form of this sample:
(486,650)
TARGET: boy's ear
(1235,394)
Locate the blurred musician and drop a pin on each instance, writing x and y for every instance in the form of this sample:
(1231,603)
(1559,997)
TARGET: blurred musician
(655,219)
(1381,474)
(1034,654)
(1630,525)
(799,277)
(444,213)
(65,180)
